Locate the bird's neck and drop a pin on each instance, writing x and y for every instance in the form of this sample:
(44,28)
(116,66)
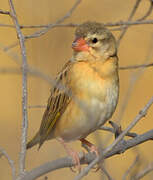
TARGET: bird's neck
(107,66)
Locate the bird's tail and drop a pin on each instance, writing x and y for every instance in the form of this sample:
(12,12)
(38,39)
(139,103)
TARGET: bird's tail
(33,141)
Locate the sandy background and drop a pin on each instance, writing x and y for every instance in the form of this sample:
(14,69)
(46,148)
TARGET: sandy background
(48,53)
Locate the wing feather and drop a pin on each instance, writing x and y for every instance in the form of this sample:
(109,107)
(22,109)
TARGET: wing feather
(57,103)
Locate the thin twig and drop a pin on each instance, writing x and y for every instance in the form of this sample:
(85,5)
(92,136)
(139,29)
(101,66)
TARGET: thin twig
(129,19)
(144,172)
(10,161)
(141,114)
(131,167)
(148,12)
(13,45)
(109,24)
(40,33)
(136,66)
(24,88)
(120,23)
(103,169)
(37,106)
(4,12)
(105,128)
(7,25)
(50,26)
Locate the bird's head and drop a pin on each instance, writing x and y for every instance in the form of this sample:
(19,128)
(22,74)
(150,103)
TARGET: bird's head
(92,41)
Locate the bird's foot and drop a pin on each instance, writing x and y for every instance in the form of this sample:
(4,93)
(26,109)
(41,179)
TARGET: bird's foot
(74,155)
(92,148)
(76,160)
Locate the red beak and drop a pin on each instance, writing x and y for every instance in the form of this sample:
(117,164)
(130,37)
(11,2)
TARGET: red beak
(80,44)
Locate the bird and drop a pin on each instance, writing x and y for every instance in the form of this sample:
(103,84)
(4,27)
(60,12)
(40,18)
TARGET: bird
(85,92)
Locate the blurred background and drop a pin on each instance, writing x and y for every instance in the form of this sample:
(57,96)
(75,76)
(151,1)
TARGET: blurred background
(49,53)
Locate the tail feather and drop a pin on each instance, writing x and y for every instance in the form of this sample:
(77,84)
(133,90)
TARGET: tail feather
(35,140)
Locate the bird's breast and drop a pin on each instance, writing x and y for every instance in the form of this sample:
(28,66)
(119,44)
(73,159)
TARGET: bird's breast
(90,80)
(96,90)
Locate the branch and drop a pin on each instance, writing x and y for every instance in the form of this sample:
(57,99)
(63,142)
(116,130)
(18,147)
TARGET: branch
(4,12)
(148,12)
(102,168)
(31,71)
(136,160)
(136,66)
(37,106)
(120,23)
(88,158)
(105,128)
(72,25)
(144,172)
(10,161)
(24,87)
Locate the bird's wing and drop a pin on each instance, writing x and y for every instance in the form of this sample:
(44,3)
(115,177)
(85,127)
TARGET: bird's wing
(57,103)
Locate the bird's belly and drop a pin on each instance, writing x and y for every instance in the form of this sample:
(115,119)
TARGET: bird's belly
(83,119)
(78,122)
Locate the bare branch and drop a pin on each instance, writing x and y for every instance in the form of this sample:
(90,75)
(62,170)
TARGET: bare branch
(13,45)
(24,87)
(7,25)
(37,106)
(105,172)
(120,23)
(105,128)
(4,12)
(136,66)
(131,167)
(72,25)
(10,161)
(148,12)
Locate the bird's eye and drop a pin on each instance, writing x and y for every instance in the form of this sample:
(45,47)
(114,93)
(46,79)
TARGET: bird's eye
(94,40)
